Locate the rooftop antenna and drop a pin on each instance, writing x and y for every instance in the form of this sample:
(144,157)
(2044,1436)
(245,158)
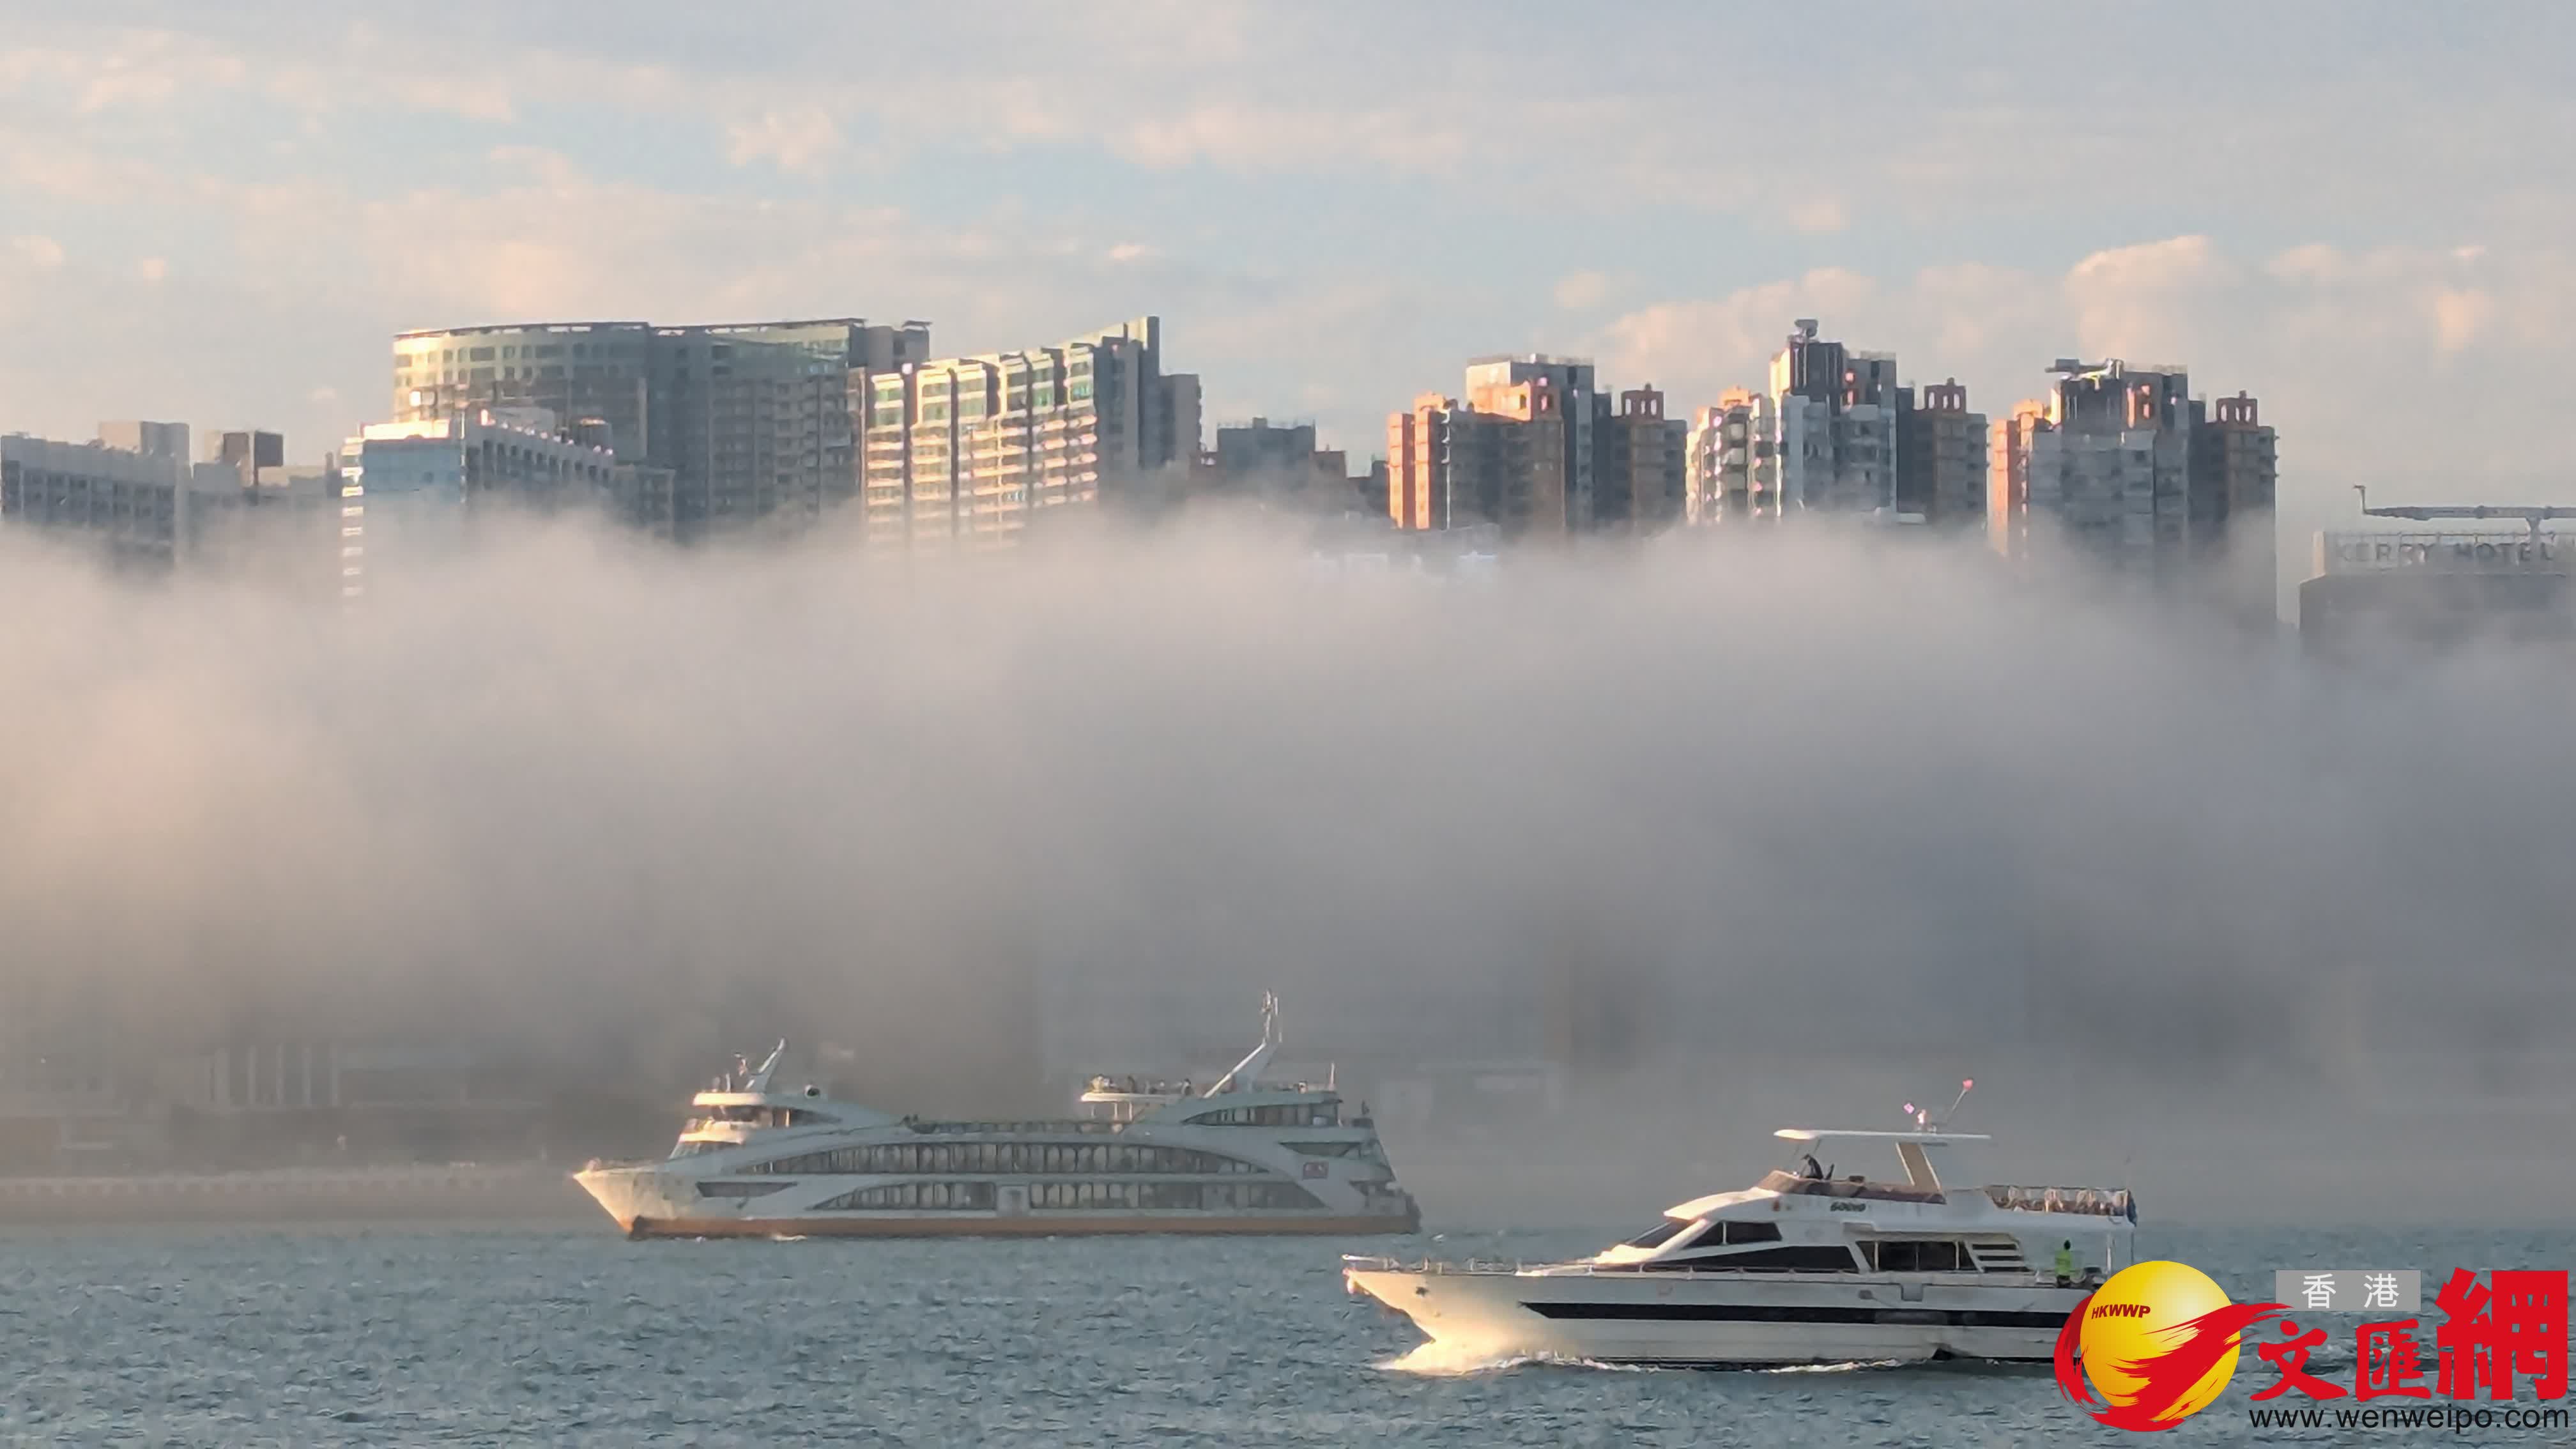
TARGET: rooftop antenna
(2531,518)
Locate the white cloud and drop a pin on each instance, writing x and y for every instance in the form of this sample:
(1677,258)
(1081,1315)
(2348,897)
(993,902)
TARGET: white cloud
(474,96)
(1820,216)
(40,252)
(1576,154)
(2333,342)
(799,141)
(2459,316)
(2137,301)
(1576,291)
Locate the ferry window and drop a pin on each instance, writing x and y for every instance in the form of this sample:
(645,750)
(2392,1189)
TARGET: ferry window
(1750,1233)
(1658,1235)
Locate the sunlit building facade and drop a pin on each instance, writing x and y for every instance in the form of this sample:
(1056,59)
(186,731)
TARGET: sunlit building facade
(975,450)
(2122,467)
(757,423)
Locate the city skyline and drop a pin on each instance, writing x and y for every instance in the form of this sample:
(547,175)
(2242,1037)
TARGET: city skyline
(209,228)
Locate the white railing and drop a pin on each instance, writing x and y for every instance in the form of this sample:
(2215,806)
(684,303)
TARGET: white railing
(2088,1201)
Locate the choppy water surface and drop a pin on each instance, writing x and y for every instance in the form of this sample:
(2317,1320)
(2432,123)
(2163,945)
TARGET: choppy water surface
(576,1336)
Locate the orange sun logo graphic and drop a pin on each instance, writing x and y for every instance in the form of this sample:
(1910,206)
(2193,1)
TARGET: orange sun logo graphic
(2158,1343)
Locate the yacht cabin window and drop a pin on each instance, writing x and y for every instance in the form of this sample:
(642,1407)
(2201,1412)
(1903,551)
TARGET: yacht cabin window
(1779,1258)
(1658,1235)
(1740,1233)
(1919,1255)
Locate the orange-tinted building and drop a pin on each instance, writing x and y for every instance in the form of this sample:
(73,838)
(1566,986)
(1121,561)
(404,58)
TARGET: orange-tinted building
(1497,458)
(2008,478)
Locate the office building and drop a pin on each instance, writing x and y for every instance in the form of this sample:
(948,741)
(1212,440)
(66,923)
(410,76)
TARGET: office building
(2122,467)
(1640,472)
(756,422)
(2380,591)
(1571,382)
(163,440)
(1940,457)
(975,449)
(134,507)
(281,532)
(410,488)
(250,452)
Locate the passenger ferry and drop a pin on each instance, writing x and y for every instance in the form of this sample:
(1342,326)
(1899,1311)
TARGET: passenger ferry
(1804,1267)
(1240,1156)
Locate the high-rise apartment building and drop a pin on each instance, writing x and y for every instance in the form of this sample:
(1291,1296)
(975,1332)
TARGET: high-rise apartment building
(1640,472)
(972,449)
(1417,464)
(1498,458)
(754,421)
(1941,457)
(1833,431)
(2124,467)
(1280,463)
(1578,402)
(2235,473)
(1838,423)
(2008,478)
(1733,462)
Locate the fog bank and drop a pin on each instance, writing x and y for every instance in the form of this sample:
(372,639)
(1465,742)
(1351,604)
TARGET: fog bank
(1861,809)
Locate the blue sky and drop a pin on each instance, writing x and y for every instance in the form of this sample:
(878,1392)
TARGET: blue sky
(2358,211)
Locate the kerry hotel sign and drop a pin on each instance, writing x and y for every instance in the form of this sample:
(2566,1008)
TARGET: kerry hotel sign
(2516,552)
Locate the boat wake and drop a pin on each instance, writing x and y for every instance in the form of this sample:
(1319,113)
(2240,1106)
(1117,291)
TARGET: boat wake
(1442,1360)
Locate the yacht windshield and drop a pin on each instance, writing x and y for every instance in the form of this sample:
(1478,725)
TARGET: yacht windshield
(1658,1235)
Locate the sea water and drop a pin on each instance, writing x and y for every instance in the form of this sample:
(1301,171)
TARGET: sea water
(572,1335)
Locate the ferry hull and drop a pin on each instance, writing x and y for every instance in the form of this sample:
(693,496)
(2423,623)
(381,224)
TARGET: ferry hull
(650,1205)
(1647,1318)
(949,1225)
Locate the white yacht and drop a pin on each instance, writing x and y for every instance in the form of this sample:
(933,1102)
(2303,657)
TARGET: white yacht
(1804,1267)
(1240,1156)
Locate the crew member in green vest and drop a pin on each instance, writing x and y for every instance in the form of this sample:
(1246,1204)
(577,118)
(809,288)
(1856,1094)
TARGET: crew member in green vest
(2066,1264)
